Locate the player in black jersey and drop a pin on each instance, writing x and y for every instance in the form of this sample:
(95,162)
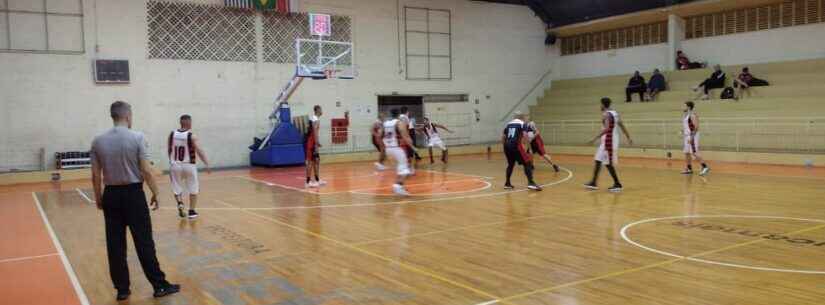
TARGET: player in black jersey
(514,138)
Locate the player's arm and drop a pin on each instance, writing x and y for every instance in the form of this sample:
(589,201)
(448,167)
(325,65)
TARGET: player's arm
(315,132)
(169,147)
(626,134)
(405,135)
(148,173)
(201,154)
(97,174)
(525,138)
(443,127)
(605,118)
(695,119)
(376,132)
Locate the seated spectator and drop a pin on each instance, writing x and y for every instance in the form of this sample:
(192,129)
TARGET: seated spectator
(656,84)
(745,81)
(683,63)
(636,85)
(716,80)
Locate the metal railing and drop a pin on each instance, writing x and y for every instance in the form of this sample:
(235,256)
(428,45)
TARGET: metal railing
(775,135)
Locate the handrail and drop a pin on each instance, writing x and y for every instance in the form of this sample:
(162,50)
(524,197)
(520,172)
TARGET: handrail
(526,95)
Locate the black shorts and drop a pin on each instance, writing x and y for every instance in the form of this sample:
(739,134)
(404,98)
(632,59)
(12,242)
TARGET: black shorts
(517,154)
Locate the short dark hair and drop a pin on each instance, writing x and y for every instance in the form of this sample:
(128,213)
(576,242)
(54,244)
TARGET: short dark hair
(404,109)
(185,117)
(394,113)
(120,109)
(606,102)
(689,104)
(316,108)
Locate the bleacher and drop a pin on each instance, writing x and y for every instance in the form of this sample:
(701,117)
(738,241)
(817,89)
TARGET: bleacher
(788,115)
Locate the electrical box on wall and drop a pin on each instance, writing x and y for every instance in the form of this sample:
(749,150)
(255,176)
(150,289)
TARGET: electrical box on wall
(111,71)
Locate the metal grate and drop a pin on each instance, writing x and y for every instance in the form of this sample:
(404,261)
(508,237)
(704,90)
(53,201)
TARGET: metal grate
(190,31)
(785,14)
(615,39)
(281,30)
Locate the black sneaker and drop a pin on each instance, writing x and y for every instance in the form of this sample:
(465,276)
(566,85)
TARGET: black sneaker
(181,212)
(556,168)
(193,214)
(123,295)
(534,187)
(508,186)
(591,186)
(615,188)
(169,289)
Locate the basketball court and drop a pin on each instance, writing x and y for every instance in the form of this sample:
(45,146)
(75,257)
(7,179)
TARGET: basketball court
(750,232)
(462,240)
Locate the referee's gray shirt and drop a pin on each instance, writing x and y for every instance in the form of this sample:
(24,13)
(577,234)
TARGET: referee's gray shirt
(118,152)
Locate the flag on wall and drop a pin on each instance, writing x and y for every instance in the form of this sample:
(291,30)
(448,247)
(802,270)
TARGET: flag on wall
(282,6)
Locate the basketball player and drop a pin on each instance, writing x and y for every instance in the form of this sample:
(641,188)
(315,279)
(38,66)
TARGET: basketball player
(378,142)
(433,139)
(313,159)
(514,139)
(183,150)
(409,148)
(608,152)
(691,130)
(537,144)
(396,136)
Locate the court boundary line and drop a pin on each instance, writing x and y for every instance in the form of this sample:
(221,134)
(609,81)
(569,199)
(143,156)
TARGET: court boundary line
(81,295)
(570,176)
(83,194)
(650,266)
(24,258)
(719,263)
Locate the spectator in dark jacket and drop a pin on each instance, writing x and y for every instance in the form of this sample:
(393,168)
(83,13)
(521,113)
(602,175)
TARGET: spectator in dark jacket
(636,85)
(683,63)
(745,80)
(716,80)
(656,84)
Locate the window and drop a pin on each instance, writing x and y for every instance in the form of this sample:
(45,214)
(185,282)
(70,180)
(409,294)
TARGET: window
(428,44)
(41,26)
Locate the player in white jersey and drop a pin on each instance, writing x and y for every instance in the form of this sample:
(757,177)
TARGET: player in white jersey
(183,152)
(395,137)
(690,124)
(608,152)
(412,154)
(434,139)
(311,145)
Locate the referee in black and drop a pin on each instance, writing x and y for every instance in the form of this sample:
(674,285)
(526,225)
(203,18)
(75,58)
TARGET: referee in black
(120,159)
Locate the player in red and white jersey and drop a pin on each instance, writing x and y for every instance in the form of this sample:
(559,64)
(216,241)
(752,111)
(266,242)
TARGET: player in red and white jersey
(375,130)
(690,126)
(396,137)
(608,151)
(311,146)
(434,139)
(537,143)
(183,150)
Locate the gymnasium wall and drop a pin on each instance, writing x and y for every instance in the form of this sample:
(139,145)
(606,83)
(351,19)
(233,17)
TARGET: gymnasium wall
(612,62)
(50,101)
(782,44)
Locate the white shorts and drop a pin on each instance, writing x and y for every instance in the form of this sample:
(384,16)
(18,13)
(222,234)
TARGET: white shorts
(435,141)
(606,156)
(400,156)
(691,149)
(184,178)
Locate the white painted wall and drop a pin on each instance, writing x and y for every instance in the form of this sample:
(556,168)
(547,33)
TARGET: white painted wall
(50,101)
(612,62)
(783,44)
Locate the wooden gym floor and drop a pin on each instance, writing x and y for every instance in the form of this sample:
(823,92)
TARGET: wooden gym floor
(746,234)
